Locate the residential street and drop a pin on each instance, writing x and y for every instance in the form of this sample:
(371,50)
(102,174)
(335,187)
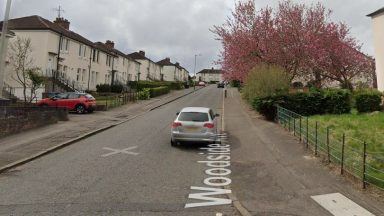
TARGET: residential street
(82,179)
(131,169)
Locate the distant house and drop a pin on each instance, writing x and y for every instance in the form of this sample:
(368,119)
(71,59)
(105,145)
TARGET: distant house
(149,70)
(210,75)
(173,71)
(378,38)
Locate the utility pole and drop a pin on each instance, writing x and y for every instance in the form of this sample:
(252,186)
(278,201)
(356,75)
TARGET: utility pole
(3,46)
(194,73)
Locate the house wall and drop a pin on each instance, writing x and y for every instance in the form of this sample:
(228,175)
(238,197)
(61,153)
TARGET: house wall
(378,35)
(133,70)
(208,77)
(169,73)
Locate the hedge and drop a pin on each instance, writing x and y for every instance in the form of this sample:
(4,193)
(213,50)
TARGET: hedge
(368,101)
(154,92)
(155,84)
(330,101)
(103,88)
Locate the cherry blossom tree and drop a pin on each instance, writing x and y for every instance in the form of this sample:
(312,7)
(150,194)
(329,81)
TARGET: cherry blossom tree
(301,39)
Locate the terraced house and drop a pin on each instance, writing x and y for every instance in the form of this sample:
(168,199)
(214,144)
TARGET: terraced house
(72,62)
(149,70)
(173,71)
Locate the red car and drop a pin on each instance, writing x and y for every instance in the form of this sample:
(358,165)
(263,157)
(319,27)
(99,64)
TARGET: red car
(73,101)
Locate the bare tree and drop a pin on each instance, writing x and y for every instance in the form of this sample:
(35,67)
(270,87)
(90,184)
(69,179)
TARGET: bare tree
(28,76)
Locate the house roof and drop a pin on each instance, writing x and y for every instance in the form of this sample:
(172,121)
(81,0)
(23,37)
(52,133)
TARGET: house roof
(166,62)
(380,11)
(211,71)
(114,52)
(38,23)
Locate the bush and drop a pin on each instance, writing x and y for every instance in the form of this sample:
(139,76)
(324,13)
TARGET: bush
(117,88)
(101,88)
(267,105)
(236,83)
(368,101)
(144,94)
(337,101)
(154,92)
(331,101)
(176,85)
(265,80)
(305,103)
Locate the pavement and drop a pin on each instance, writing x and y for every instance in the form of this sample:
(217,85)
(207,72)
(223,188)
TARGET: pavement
(272,172)
(20,147)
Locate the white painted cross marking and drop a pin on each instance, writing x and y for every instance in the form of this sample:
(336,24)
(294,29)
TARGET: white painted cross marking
(117,151)
(339,205)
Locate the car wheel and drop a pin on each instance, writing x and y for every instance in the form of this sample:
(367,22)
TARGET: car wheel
(80,109)
(44,105)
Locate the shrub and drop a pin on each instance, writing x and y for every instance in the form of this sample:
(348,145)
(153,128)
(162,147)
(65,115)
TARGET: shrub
(305,103)
(236,83)
(154,92)
(267,105)
(337,101)
(144,94)
(176,85)
(265,80)
(117,88)
(368,101)
(101,88)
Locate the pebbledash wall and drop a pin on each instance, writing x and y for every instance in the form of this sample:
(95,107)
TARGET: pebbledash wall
(378,38)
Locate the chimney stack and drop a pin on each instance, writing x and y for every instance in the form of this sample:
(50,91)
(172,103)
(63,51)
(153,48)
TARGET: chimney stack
(110,44)
(177,64)
(168,59)
(62,22)
(142,53)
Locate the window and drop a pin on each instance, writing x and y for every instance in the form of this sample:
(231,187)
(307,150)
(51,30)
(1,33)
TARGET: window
(67,45)
(84,75)
(78,74)
(80,49)
(85,51)
(97,77)
(95,56)
(64,44)
(73,96)
(193,116)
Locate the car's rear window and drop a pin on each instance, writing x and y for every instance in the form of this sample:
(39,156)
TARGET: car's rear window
(193,116)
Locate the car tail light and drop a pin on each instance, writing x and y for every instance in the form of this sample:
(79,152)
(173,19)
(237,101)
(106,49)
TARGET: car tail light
(209,125)
(176,124)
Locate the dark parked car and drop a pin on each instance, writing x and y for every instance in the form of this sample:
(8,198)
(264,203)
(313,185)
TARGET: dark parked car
(73,101)
(220,85)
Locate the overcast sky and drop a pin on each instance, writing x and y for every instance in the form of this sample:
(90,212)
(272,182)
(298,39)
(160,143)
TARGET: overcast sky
(174,28)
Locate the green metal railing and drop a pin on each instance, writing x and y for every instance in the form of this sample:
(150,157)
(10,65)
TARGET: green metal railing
(357,162)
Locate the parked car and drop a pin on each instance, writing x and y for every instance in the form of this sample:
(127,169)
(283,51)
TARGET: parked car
(195,125)
(220,85)
(73,101)
(201,83)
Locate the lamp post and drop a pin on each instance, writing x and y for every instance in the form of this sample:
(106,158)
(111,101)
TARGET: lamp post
(194,73)
(3,46)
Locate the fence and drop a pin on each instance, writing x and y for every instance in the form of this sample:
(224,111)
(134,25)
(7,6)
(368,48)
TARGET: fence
(112,101)
(366,166)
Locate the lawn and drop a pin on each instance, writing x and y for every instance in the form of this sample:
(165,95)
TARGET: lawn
(364,127)
(357,128)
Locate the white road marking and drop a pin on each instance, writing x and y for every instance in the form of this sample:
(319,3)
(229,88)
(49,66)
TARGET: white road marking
(339,205)
(117,151)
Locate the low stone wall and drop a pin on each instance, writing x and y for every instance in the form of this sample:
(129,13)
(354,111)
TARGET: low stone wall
(19,119)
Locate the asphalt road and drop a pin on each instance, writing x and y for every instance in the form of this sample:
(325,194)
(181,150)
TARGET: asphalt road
(86,178)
